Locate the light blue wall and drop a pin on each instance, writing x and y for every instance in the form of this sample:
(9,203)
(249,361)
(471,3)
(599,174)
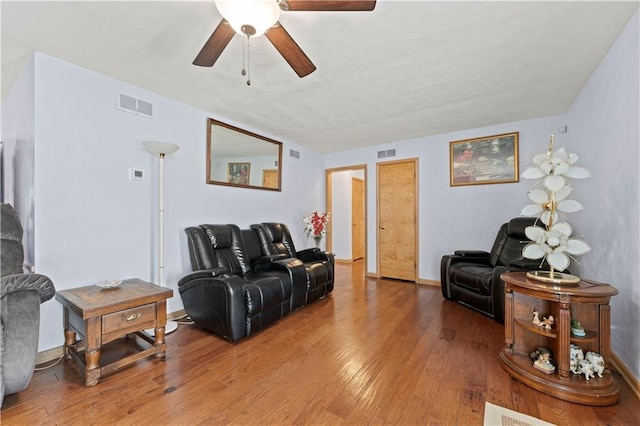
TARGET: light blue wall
(18,126)
(452,218)
(604,129)
(93,223)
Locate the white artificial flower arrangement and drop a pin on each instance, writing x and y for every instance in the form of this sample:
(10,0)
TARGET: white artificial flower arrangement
(553,242)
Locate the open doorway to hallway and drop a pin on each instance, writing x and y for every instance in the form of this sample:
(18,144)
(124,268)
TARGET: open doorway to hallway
(347,202)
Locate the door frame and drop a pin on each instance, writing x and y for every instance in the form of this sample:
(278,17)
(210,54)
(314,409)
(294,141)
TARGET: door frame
(329,202)
(364,224)
(416,185)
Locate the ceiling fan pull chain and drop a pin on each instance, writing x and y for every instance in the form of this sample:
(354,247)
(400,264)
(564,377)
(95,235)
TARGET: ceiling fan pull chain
(243,70)
(248,62)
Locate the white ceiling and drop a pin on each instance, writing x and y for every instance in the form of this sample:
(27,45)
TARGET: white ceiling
(406,70)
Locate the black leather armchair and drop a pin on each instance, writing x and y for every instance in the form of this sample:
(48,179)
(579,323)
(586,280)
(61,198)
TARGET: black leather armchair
(472,277)
(235,291)
(275,239)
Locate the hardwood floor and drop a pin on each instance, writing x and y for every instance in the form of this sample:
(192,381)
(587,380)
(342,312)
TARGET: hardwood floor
(375,351)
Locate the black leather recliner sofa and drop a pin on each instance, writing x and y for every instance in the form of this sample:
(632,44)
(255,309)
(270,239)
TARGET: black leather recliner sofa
(236,290)
(275,239)
(472,277)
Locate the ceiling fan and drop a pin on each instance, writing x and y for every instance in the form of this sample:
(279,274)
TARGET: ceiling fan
(252,18)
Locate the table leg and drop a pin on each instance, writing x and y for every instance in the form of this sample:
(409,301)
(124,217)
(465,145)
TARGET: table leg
(92,351)
(159,342)
(92,371)
(69,334)
(161,322)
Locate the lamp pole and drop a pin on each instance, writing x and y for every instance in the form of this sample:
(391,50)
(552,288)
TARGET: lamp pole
(161,149)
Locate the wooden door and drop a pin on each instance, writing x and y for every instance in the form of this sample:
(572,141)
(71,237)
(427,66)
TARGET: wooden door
(270,178)
(397,219)
(357,218)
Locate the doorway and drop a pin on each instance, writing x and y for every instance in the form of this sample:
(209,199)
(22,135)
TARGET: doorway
(270,178)
(357,218)
(397,233)
(346,204)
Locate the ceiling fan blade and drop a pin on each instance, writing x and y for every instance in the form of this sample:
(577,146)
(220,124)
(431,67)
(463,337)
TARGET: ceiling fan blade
(328,5)
(290,50)
(213,48)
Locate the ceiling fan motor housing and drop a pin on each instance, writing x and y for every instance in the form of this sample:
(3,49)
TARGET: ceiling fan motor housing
(249,17)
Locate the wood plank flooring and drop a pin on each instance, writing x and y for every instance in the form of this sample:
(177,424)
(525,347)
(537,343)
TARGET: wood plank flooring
(374,352)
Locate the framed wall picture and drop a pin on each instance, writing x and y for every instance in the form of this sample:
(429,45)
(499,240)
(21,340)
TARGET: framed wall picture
(480,161)
(239,173)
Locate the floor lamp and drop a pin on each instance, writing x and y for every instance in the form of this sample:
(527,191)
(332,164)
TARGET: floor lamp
(161,149)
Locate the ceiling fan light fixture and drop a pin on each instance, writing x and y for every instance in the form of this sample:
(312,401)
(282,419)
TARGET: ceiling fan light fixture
(249,17)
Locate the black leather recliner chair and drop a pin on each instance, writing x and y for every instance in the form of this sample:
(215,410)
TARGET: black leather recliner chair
(472,277)
(235,291)
(275,239)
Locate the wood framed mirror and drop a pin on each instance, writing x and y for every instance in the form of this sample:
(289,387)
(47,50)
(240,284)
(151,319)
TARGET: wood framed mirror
(238,157)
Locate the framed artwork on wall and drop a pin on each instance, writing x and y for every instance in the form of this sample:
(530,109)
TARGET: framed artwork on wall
(238,173)
(485,160)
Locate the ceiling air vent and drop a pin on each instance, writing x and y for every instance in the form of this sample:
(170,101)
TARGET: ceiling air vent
(135,106)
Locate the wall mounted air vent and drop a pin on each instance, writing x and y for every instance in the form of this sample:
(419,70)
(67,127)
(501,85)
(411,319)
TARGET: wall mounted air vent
(387,153)
(134,106)
(293,153)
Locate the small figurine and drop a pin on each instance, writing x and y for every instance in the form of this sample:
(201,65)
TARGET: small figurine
(586,368)
(547,322)
(577,329)
(536,317)
(576,355)
(596,361)
(543,363)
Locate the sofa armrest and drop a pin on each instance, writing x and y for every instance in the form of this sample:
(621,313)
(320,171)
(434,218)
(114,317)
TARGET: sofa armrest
(297,275)
(313,255)
(205,273)
(497,293)
(264,263)
(445,285)
(467,256)
(28,282)
(215,303)
(472,253)
(526,264)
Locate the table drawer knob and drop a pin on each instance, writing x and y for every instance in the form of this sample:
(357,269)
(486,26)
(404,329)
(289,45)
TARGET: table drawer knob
(133,317)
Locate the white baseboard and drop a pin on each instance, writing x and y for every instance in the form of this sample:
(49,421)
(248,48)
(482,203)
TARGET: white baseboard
(626,373)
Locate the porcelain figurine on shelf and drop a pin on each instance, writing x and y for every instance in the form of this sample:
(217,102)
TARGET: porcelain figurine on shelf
(536,317)
(543,363)
(576,355)
(596,361)
(586,368)
(576,328)
(547,322)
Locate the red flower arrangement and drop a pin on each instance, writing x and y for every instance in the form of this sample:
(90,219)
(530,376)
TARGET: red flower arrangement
(316,224)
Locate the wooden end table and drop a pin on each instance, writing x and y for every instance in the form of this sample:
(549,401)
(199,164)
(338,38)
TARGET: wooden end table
(101,316)
(589,303)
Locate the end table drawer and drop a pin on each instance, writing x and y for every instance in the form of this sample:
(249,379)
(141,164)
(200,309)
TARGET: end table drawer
(129,318)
